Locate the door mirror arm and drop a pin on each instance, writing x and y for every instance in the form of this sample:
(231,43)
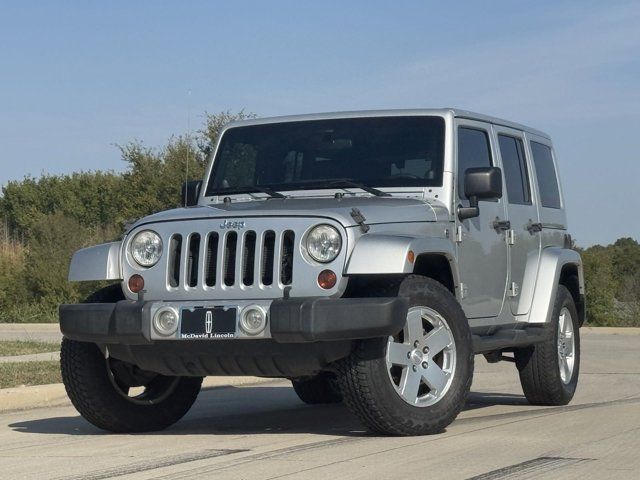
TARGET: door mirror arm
(483,183)
(472,211)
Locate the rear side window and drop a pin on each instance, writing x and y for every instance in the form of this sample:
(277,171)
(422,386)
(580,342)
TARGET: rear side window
(546,173)
(515,169)
(473,151)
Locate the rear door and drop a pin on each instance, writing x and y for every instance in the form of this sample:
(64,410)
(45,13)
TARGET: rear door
(482,250)
(552,213)
(523,229)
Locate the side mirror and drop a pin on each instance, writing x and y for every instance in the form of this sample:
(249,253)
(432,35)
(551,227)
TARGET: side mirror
(484,183)
(190,192)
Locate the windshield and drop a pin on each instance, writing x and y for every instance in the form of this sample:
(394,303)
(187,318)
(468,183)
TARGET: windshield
(376,152)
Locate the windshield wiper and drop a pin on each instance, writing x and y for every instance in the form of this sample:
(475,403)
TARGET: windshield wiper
(350,183)
(254,189)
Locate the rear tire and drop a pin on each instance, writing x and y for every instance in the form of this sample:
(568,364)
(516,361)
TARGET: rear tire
(322,388)
(549,370)
(375,379)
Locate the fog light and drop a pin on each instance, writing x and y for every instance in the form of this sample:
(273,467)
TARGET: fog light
(165,321)
(253,320)
(136,283)
(327,279)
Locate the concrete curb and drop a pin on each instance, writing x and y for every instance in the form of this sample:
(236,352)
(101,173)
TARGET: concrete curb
(33,357)
(610,330)
(44,332)
(54,395)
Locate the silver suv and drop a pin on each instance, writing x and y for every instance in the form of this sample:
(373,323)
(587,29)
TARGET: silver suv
(365,256)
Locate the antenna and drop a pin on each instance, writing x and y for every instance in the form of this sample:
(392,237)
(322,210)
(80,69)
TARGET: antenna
(186,169)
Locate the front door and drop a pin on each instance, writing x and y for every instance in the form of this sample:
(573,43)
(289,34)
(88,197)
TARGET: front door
(522,214)
(482,250)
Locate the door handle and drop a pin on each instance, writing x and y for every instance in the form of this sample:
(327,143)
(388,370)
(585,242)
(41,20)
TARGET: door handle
(501,225)
(534,227)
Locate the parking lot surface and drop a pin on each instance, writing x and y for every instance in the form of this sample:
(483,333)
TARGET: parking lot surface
(265,432)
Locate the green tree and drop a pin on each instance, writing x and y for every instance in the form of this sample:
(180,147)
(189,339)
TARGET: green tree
(600,286)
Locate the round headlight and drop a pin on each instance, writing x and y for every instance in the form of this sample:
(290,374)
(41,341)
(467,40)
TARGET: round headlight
(146,248)
(324,243)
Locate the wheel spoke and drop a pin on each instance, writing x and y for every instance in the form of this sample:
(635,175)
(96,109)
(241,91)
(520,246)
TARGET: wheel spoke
(409,384)
(414,329)
(435,378)
(437,340)
(568,347)
(397,353)
(567,370)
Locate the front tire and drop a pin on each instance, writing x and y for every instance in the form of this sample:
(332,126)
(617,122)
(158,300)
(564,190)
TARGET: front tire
(416,382)
(100,389)
(549,370)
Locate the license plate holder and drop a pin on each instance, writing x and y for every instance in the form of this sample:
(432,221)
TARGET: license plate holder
(208,323)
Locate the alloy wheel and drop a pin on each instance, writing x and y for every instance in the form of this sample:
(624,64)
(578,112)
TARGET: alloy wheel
(421,359)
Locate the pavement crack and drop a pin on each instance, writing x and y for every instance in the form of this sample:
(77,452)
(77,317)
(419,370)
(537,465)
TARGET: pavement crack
(537,466)
(199,472)
(151,465)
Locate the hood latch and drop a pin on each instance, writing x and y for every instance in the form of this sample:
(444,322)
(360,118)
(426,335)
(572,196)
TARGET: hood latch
(357,216)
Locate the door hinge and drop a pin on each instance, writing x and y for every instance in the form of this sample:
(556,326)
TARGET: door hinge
(498,224)
(459,234)
(510,236)
(514,289)
(534,227)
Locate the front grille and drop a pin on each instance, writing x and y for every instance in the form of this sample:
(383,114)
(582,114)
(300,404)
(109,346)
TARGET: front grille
(231,259)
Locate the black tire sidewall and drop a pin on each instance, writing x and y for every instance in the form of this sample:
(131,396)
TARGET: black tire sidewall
(426,292)
(87,382)
(539,365)
(564,299)
(319,389)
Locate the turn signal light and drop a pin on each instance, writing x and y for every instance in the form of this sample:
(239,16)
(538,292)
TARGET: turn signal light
(327,279)
(136,283)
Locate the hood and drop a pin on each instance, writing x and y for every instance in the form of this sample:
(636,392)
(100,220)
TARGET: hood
(374,209)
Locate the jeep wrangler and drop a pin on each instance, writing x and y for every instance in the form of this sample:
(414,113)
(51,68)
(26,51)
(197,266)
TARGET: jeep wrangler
(365,256)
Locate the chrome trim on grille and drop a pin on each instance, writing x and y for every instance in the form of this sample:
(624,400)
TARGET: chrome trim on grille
(240,259)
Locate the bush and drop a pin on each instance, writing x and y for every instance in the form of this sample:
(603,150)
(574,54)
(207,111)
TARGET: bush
(12,274)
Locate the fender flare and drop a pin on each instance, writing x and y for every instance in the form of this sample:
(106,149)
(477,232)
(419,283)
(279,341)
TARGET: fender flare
(100,262)
(388,254)
(552,261)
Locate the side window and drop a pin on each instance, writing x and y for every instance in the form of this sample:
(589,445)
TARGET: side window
(515,169)
(546,173)
(473,151)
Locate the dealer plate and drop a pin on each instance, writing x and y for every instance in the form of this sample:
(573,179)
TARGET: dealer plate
(208,322)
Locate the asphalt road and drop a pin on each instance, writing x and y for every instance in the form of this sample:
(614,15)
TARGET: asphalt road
(265,432)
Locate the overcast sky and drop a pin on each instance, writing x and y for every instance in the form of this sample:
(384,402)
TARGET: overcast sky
(76,78)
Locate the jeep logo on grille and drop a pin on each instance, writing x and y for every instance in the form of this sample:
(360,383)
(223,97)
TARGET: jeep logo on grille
(232,224)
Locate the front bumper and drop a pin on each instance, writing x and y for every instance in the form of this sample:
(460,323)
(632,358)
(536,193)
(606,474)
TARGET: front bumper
(293,320)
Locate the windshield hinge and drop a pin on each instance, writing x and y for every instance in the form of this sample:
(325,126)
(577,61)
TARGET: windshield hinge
(357,216)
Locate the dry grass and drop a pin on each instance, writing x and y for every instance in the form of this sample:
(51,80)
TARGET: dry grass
(29,373)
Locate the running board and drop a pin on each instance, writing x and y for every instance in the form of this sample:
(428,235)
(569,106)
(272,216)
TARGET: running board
(510,338)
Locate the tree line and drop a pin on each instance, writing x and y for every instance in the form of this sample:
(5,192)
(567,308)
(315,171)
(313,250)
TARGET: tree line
(44,220)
